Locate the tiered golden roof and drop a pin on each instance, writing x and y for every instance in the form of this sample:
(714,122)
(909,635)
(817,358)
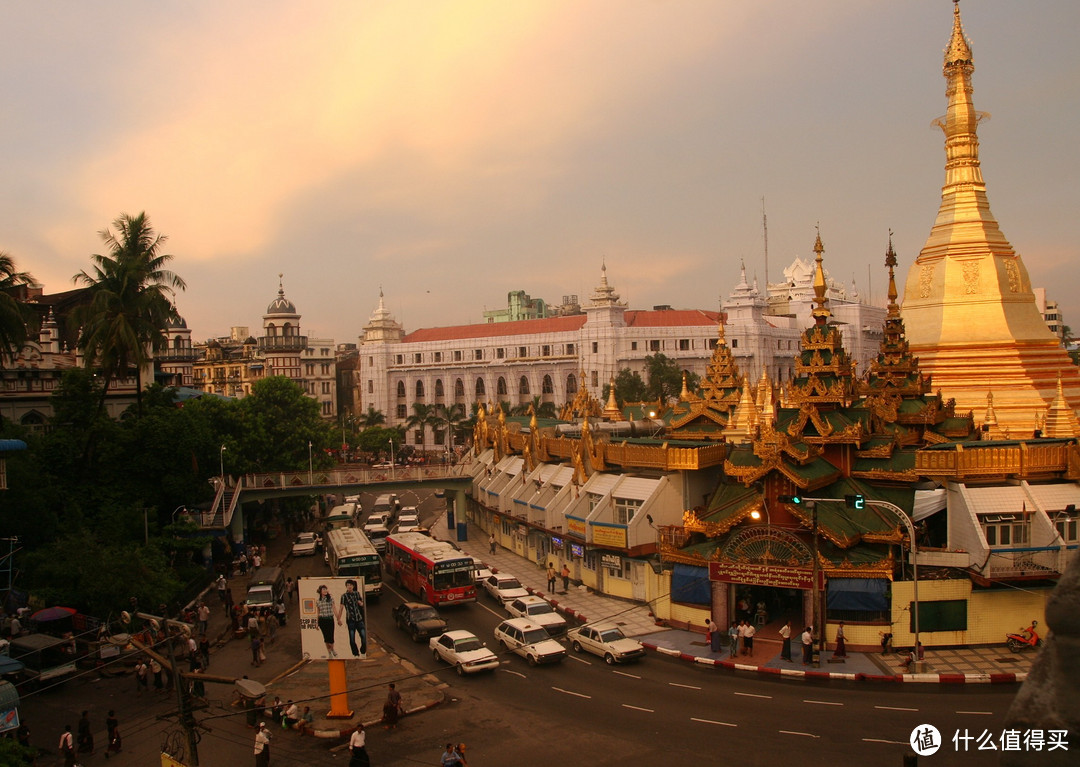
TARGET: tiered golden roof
(705,416)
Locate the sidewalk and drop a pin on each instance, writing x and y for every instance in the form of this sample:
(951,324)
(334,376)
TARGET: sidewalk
(973,665)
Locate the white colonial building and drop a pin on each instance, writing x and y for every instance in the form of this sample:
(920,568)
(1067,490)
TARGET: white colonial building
(517,361)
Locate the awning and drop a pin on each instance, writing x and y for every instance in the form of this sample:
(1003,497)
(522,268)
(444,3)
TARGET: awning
(929,502)
(866,594)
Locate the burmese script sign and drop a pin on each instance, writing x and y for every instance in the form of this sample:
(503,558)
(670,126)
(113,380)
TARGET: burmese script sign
(778,576)
(604,535)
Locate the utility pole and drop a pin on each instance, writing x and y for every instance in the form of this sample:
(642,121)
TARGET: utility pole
(816,608)
(187,719)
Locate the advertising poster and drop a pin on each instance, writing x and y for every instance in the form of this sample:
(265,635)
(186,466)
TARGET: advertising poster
(333,617)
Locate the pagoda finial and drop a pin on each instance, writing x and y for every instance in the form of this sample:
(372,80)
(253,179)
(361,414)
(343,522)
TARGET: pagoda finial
(281,284)
(821,312)
(684,395)
(890,261)
(959,50)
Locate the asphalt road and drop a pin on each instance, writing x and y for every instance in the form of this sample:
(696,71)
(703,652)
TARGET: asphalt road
(580,712)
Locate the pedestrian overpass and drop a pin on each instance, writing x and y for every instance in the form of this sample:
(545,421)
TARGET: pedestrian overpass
(234,491)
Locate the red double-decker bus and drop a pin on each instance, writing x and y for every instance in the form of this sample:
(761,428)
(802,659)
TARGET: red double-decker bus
(433,570)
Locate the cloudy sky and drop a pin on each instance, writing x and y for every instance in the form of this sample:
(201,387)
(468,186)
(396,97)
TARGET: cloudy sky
(453,151)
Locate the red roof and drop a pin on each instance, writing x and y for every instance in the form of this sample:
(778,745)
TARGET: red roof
(671,318)
(489,329)
(664,318)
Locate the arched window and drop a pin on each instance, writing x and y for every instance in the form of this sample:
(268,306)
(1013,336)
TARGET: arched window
(401,388)
(523,385)
(546,387)
(459,389)
(419,389)
(481,390)
(500,387)
(571,384)
(438,387)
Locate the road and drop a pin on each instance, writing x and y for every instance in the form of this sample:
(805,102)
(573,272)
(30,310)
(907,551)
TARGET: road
(657,711)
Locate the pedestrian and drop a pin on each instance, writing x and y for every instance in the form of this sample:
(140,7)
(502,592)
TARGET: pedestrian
(392,708)
(351,608)
(307,719)
(712,634)
(204,651)
(279,607)
(251,710)
(565,578)
(785,634)
(807,646)
(204,617)
(253,623)
(256,651)
(262,746)
(222,586)
(450,757)
(886,640)
(86,735)
(551,577)
(358,747)
(155,670)
(748,639)
(324,610)
(742,636)
(112,727)
(291,715)
(733,639)
(460,751)
(271,624)
(67,746)
(841,645)
(142,676)
(256,560)
(290,588)
(491,545)
(197,688)
(193,653)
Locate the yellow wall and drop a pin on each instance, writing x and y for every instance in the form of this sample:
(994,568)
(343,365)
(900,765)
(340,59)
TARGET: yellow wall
(991,613)
(694,616)
(617,587)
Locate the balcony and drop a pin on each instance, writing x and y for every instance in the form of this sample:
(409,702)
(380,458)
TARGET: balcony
(282,343)
(176,355)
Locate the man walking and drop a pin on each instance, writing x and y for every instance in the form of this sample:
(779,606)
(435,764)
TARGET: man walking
(222,585)
(358,747)
(262,746)
(491,542)
(551,577)
(67,746)
(565,578)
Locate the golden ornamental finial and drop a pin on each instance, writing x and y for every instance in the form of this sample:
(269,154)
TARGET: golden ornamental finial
(890,261)
(821,312)
(959,50)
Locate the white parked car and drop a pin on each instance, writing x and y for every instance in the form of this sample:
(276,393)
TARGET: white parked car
(529,640)
(504,587)
(606,640)
(377,518)
(538,611)
(481,572)
(464,651)
(305,545)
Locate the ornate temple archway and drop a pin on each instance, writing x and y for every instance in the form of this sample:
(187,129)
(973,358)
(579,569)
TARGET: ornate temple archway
(766,545)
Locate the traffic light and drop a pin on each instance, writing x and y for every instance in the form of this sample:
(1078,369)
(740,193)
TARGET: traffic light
(855,501)
(796,499)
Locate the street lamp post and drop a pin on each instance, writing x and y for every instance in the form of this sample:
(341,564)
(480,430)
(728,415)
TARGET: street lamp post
(902,516)
(221,458)
(309,481)
(391,456)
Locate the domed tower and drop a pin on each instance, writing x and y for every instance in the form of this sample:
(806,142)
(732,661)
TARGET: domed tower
(968,305)
(281,344)
(176,361)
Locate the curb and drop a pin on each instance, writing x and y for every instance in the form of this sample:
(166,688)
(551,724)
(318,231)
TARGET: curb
(942,678)
(569,611)
(344,733)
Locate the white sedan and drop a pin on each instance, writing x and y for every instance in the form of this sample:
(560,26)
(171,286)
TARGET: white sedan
(464,651)
(305,545)
(480,571)
(606,640)
(504,588)
(538,611)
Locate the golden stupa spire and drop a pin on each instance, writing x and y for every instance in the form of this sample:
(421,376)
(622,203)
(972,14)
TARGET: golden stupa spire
(820,312)
(684,395)
(611,410)
(1060,421)
(890,261)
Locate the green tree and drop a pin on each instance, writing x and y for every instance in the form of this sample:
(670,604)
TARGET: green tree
(278,423)
(130,303)
(377,439)
(665,378)
(423,417)
(12,312)
(370,418)
(14,755)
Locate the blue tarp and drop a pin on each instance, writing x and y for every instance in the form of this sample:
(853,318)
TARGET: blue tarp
(691,584)
(869,594)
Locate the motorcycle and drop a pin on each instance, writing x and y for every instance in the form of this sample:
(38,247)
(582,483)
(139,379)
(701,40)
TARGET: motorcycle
(1026,639)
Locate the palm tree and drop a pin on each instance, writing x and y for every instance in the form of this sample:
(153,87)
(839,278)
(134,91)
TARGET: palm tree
(130,302)
(371,418)
(423,416)
(450,418)
(12,311)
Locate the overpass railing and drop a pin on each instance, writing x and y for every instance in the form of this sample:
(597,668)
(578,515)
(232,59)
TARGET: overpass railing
(350,476)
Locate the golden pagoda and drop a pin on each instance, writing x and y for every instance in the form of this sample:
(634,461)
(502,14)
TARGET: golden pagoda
(969,309)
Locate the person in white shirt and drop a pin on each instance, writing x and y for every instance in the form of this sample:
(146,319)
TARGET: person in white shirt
(357,747)
(262,746)
(748,639)
(67,746)
(807,646)
(785,634)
